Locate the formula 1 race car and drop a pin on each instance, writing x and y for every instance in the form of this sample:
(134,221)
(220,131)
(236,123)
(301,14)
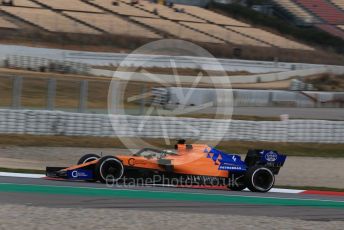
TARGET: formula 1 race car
(190,164)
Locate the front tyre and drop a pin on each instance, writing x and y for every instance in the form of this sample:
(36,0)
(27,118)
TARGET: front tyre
(87,158)
(259,179)
(109,169)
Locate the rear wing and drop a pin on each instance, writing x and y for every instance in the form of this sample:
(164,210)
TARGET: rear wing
(269,158)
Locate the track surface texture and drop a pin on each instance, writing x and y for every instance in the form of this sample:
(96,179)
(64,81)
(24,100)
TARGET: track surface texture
(40,203)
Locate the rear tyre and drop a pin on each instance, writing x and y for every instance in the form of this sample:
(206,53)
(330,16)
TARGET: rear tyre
(259,179)
(87,158)
(109,169)
(236,188)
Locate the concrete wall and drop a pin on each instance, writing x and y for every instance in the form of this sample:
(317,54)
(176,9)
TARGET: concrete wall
(104,58)
(41,122)
(262,77)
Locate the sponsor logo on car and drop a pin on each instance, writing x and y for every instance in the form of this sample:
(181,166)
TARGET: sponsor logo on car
(131,162)
(76,174)
(271,156)
(80,174)
(223,167)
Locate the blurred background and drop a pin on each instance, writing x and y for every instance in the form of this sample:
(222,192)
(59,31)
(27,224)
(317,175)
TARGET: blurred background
(284,61)
(276,81)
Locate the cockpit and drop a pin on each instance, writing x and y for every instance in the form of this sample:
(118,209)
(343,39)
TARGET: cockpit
(154,153)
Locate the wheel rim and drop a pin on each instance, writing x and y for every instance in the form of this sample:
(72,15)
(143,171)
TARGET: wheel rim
(90,159)
(263,179)
(111,169)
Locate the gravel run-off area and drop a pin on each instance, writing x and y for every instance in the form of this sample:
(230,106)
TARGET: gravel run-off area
(42,218)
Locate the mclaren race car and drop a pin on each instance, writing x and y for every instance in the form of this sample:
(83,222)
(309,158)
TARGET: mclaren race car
(189,164)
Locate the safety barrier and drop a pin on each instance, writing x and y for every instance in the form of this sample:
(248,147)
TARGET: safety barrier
(43,122)
(237,79)
(173,97)
(44,64)
(105,58)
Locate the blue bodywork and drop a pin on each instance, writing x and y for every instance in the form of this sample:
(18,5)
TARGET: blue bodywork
(233,162)
(272,157)
(80,174)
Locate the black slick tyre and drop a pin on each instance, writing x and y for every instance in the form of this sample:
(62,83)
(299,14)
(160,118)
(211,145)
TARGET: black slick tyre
(109,169)
(259,179)
(87,158)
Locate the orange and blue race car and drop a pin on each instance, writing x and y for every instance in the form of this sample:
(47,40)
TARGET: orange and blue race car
(194,164)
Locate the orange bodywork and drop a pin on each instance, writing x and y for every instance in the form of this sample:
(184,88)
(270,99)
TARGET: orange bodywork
(186,161)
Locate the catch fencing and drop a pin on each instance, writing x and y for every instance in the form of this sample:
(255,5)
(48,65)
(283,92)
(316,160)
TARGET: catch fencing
(43,122)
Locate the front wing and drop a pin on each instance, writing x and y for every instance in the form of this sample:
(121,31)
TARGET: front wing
(74,174)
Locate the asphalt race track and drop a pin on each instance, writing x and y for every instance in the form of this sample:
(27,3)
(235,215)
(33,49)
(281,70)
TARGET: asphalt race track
(50,193)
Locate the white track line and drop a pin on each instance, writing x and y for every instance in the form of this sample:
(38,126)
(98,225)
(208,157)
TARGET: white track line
(22,175)
(35,176)
(284,190)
